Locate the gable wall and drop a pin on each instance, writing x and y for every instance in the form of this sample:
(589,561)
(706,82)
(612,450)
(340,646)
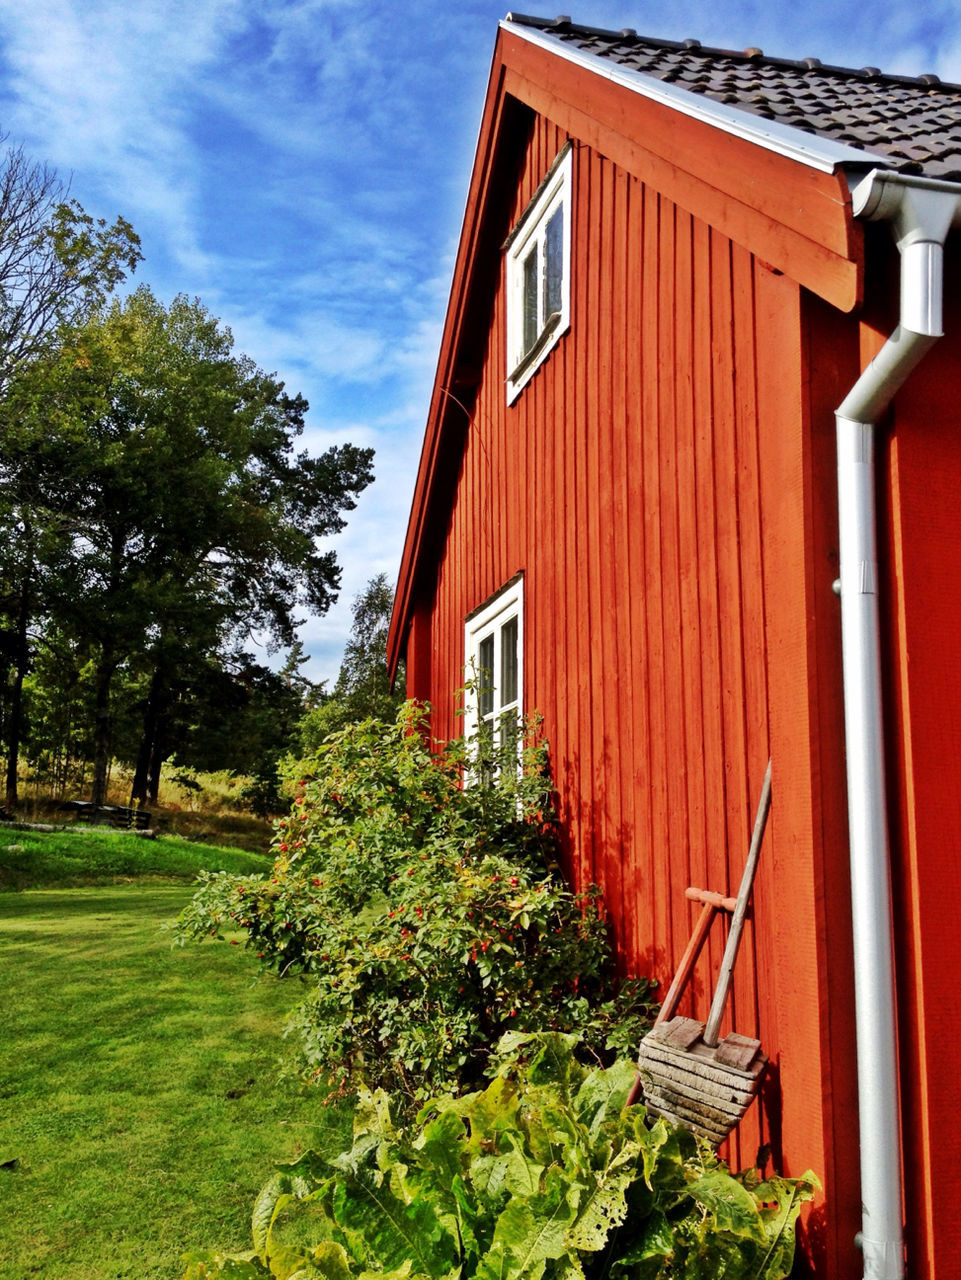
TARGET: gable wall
(640,485)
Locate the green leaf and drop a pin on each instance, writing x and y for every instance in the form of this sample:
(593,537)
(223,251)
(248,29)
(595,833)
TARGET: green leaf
(372,1115)
(285,1262)
(603,1094)
(488,1176)
(205,1264)
(731,1206)
(306,1172)
(470,1220)
(656,1242)
(491,1113)
(604,1209)
(373,911)
(495,1265)
(522,1175)
(568,1268)
(779,1222)
(400,1273)
(273,1196)
(663,1159)
(330,1262)
(529,1232)
(554,1062)
(442,1148)
(390,1232)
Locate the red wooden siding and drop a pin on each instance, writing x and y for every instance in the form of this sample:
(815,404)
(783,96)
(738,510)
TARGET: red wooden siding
(626,483)
(666,483)
(923,556)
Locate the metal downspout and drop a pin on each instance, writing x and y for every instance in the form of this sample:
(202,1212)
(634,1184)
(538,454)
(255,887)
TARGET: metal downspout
(921,213)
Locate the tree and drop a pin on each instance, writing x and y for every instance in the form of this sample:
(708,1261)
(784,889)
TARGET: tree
(57,265)
(363,687)
(186,520)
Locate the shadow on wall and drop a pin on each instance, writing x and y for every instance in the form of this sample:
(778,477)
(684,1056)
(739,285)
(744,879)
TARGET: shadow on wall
(597,847)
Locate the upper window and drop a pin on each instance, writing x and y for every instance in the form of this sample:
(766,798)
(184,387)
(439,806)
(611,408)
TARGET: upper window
(539,276)
(494,654)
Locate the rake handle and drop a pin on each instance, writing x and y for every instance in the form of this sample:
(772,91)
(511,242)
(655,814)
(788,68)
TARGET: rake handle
(688,960)
(737,920)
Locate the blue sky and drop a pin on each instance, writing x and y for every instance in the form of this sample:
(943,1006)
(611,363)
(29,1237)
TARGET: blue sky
(302,165)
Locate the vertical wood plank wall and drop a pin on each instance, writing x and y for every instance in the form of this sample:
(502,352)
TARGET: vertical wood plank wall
(626,483)
(922,555)
(623,482)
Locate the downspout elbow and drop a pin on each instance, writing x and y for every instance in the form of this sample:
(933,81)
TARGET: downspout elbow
(875,389)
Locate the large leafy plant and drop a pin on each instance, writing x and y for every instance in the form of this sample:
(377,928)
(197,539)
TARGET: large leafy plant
(542,1175)
(427,917)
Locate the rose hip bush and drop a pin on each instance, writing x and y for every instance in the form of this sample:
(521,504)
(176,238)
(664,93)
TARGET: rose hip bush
(426,917)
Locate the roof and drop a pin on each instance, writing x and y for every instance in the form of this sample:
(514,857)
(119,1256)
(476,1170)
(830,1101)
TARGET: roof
(913,124)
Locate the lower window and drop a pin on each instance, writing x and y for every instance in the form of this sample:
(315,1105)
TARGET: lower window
(494,636)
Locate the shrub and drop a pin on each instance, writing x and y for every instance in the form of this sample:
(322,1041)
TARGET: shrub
(541,1175)
(427,916)
(263,794)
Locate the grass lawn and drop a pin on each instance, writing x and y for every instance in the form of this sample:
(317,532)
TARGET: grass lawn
(139,1113)
(98,855)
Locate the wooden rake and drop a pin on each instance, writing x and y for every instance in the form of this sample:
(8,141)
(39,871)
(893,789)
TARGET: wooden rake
(685,1073)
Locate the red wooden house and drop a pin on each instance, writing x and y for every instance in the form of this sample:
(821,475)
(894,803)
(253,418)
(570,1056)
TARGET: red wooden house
(688,492)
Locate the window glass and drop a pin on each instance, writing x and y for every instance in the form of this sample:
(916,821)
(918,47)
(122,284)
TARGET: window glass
(509,662)
(485,677)
(553,264)
(531,320)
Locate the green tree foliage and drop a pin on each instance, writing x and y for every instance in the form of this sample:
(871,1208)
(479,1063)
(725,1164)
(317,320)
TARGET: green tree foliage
(181,517)
(57,265)
(543,1175)
(428,917)
(362,688)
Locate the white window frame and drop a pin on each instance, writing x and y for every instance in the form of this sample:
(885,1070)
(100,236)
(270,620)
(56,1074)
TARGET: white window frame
(528,237)
(488,622)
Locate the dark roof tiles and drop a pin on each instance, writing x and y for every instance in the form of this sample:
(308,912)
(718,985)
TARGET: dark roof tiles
(910,123)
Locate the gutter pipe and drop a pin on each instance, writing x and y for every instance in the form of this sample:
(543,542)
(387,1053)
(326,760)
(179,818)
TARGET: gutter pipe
(920,212)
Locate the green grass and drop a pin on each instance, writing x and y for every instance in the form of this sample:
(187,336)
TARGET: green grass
(139,1109)
(100,856)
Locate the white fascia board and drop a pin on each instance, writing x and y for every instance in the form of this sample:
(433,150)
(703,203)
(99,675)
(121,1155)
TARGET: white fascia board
(809,149)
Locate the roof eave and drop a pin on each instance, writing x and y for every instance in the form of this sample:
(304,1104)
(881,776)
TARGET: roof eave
(823,154)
